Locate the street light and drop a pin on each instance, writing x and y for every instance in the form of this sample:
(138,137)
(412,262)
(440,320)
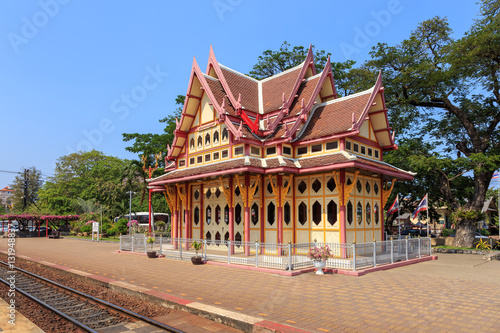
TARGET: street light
(130,212)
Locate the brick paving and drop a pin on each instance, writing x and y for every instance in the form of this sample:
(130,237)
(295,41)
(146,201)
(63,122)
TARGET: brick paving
(457,293)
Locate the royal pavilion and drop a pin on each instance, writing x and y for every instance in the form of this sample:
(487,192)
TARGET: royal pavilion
(279,160)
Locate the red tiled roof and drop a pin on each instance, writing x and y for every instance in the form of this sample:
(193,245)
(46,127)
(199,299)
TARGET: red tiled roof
(305,92)
(246,86)
(218,91)
(274,87)
(335,116)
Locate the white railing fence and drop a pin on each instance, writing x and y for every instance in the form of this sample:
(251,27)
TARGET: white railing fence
(283,256)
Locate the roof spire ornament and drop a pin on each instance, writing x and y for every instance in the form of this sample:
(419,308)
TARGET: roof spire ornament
(239,101)
(169,150)
(283,98)
(353,118)
(177,125)
(393,135)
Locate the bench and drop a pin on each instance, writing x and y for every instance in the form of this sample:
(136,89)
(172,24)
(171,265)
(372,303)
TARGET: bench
(54,234)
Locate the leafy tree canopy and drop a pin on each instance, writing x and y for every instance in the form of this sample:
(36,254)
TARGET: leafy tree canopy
(447,90)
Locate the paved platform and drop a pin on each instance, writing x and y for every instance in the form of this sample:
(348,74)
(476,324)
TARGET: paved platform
(457,293)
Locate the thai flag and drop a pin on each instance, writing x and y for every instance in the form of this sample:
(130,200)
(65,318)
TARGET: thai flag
(395,206)
(496,175)
(421,207)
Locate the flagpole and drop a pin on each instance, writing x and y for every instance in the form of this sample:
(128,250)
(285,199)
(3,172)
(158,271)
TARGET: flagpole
(399,220)
(427,211)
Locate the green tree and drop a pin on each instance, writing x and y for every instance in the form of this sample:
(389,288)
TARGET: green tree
(274,62)
(149,144)
(85,178)
(448,90)
(25,187)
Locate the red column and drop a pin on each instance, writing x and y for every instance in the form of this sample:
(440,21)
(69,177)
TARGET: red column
(262,211)
(231,213)
(176,222)
(149,210)
(202,212)
(343,215)
(280,210)
(247,215)
(186,217)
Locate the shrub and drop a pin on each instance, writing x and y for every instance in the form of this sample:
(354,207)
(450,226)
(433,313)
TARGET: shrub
(86,228)
(446,233)
(121,226)
(160,225)
(485,232)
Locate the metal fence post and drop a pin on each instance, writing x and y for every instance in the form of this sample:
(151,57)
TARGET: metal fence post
(419,247)
(205,249)
(290,268)
(120,242)
(256,253)
(392,251)
(406,247)
(180,247)
(161,242)
(228,251)
(132,243)
(374,253)
(145,245)
(354,256)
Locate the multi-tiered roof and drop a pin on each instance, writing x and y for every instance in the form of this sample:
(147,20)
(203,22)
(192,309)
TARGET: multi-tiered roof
(297,107)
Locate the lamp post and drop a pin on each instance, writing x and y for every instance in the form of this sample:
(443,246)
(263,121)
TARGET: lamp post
(130,212)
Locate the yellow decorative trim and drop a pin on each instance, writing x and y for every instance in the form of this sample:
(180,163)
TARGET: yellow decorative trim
(284,190)
(170,197)
(387,193)
(338,184)
(183,198)
(348,188)
(252,189)
(243,191)
(276,190)
(227,193)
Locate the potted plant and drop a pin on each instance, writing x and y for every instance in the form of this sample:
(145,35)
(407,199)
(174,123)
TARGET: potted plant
(151,254)
(196,260)
(319,255)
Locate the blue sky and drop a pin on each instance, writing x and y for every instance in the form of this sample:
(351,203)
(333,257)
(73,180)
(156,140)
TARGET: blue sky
(68,68)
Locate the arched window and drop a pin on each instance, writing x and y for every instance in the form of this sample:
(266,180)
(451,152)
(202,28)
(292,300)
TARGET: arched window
(225,134)
(331,212)
(217,214)
(226,215)
(208,235)
(207,139)
(302,213)
(368,213)
(359,187)
(376,214)
(255,214)
(191,143)
(196,215)
(349,212)
(316,213)
(287,212)
(216,137)
(209,215)
(200,142)
(237,214)
(271,211)
(359,213)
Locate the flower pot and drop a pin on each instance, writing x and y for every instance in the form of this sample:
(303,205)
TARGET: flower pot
(319,265)
(151,254)
(197,260)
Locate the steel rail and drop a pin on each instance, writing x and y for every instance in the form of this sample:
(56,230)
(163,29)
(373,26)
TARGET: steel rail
(65,316)
(95,299)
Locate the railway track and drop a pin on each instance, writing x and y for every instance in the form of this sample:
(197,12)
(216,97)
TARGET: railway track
(89,313)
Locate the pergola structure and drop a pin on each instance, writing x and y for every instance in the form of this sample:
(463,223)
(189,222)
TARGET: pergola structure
(37,219)
(278,160)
